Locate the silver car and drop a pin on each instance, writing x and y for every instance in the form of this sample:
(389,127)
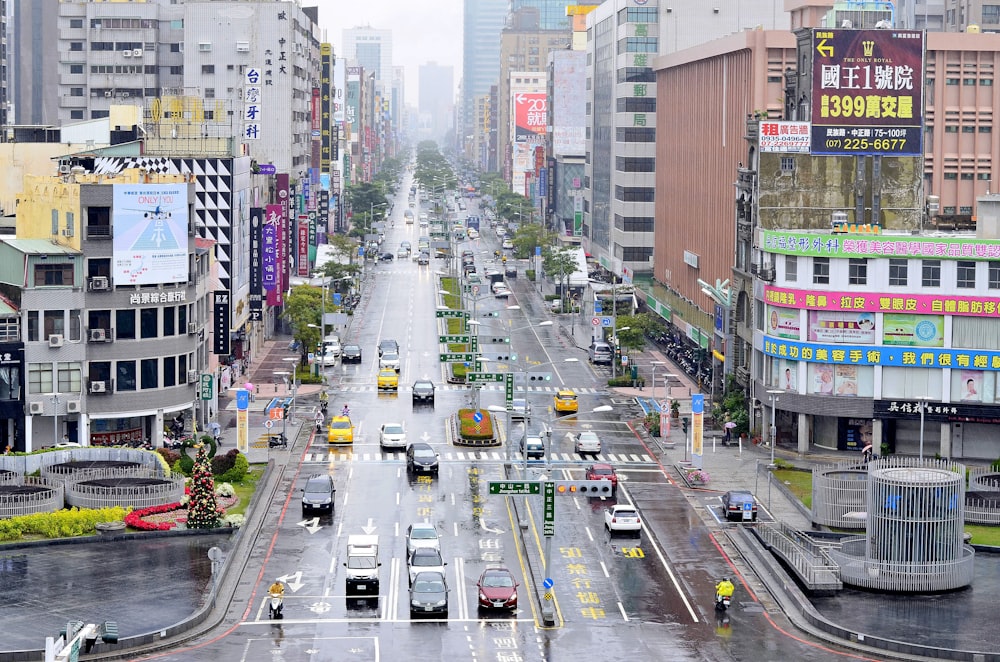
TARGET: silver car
(588,443)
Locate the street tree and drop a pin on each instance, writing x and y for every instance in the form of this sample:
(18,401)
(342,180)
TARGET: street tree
(302,309)
(634,336)
(559,262)
(527,237)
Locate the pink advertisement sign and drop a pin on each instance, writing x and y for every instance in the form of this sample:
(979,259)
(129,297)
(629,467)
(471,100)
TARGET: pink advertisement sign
(875,302)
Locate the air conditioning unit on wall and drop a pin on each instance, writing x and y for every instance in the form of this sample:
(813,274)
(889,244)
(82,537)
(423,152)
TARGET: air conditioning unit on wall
(72,406)
(56,340)
(98,387)
(36,408)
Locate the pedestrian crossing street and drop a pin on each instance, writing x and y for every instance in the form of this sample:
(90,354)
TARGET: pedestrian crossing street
(370,388)
(344,455)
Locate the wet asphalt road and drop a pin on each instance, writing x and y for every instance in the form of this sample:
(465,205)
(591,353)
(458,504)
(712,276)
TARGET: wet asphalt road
(639,597)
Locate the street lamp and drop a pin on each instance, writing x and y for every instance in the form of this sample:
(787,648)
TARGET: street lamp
(774,432)
(922,400)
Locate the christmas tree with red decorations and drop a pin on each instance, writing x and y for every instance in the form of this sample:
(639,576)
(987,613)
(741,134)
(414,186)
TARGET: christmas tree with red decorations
(203,512)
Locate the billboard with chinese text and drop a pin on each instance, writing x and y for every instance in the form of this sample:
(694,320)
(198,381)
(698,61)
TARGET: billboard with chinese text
(530,117)
(867,91)
(784,136)
(150,234)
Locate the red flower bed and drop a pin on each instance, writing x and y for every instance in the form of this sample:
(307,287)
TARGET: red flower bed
(135,518)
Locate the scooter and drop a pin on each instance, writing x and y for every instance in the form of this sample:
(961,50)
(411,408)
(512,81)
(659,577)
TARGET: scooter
(722,602)
(277,441)
(275,607)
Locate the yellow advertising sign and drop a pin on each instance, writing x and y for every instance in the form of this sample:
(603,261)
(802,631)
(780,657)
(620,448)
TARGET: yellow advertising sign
(697,434)
(242,430)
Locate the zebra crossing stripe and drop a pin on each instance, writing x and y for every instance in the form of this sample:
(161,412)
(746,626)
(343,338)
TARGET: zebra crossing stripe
(471,456)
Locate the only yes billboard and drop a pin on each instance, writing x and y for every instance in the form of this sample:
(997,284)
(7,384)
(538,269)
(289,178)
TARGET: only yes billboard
(867,91)
(150,233)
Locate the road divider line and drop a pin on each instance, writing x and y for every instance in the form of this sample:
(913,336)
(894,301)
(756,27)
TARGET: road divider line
(621,608)
(463,599)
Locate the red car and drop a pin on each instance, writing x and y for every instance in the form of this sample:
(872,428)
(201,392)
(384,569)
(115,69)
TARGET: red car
(603,472)
(497,589)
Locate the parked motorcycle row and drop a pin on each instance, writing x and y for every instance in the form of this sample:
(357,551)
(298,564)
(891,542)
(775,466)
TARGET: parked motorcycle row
(682,354)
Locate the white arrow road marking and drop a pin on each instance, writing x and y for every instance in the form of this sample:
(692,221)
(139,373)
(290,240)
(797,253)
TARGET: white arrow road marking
(294,580)
(425,436)
(311,525)
(482,525)
(370,527)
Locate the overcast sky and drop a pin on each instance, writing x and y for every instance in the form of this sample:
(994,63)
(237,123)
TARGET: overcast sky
(422,31)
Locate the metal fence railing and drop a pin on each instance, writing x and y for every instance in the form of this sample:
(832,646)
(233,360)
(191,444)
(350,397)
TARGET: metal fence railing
(166,490)
(48,499)
(858,569)
(984,479)
(839,495)
(62,473)
(811,561)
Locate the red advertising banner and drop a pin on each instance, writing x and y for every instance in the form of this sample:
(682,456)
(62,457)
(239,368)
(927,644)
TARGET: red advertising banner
(867,91)
(316,112)
(530,117)
(302,259)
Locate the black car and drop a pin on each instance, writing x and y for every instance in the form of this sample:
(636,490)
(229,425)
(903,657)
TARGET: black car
(736,503)
(423,391)
(386,257)
(350,354)
(318,494)
(510,271)
(421,458)
(429,595)
(388,345)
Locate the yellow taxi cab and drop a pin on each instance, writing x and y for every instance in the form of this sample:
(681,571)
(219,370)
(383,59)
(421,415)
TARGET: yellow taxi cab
(388,379)
(565,401)
(341,431)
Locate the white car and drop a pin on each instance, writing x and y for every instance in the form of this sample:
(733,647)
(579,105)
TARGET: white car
(389,360)
(622,518)
(507,244)
(422,534)
(424,559)
(587,442)
(392,435)
(473,233)
(501,292)
(501,232)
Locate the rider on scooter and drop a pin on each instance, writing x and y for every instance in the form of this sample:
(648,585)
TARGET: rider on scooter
(277,589)
(346,411)
(724,589)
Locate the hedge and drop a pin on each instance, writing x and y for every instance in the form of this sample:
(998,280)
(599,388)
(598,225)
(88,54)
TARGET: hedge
(467,427)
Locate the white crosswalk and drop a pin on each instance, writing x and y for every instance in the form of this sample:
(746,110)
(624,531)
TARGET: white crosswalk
(617,459)
(369,388)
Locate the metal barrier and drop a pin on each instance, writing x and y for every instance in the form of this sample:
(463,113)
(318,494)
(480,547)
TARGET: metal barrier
(29,464)
(984,479)
(169,490)
(64,474)
(858,570)
(46,501)
(839,495)
(810,561)
(982,511)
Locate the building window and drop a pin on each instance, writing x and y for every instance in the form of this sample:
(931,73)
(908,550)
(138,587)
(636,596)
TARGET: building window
(968,128)
(53,322)
(125,324)
(791,268)
(76,68)
(76,46)
(76,91)
(951,128)
(931,270)
(70,378)
(635,75)
(637,105)
(635,135)
(209,93)
(76,22)
(208,68)
(994,283)
(125,380)
(633,223)
(857,271)
(821,270)
(177,71)
(635,193)
(169,371)
(40,378)
(966,274)
(53,274)
(147,323)
(637,45)
(897,272)
(169,328)
(636,253)
(10,383)
(635,164)
(951,81)
(149,374)
(76,114)
(787,164)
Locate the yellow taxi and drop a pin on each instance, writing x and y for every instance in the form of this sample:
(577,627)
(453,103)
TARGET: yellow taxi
(341,431)
(388,379)
(565,401)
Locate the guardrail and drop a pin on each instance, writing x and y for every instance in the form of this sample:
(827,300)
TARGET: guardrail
(839,493)
(29,464)
(984,479)
(810,561)
(64,474)
(46,501)
(859,570)
(982,511)
(169,490)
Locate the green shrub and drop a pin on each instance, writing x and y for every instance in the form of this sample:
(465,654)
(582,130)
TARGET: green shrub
(529,274)
(223,463)
(625,381)
(469,429)
(66,523)
(183,466)
(169,456)
(238,471)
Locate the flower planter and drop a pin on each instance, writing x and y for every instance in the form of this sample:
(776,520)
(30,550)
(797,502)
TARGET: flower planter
(110,528)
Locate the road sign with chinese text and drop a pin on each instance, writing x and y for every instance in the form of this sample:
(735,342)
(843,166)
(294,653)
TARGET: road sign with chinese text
(484,377)
(549,510)
(515,487)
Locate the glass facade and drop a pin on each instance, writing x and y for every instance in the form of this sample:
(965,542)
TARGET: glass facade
(551,13)
(602,155)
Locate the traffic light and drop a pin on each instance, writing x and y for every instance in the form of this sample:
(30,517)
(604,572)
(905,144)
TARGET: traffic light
(495,341)
(492,313)
(539,376)
(684,424)
(587,488)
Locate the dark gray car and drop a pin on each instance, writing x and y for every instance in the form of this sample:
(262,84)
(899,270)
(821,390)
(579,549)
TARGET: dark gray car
(318,494)
(423,391)
(350,354)
(421,458)
(429,595)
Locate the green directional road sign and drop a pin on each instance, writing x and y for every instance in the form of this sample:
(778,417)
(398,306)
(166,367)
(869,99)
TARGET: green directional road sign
(515,487)
(450,313)
(549,510)
(458,339)
(452,358)
(483,377)
(508,380)
(475,344)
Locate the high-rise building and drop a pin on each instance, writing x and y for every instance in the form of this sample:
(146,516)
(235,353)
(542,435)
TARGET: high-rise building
(371,48)
(483,20)
(436,95)
(34,70)
(4,77)
(551,13)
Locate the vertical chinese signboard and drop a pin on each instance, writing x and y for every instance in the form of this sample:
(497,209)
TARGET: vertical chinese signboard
(697,428)
(252,87)
(302,255)
(284,236)
(530,117)
(270,254)
(867,94)
(220,313)
(256,263)
(326,97)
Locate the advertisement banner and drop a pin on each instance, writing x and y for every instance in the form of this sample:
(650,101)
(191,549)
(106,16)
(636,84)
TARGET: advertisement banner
(882,355)
(913,330)
(867,95)
(783,323)
(302,257)
(883,303)
(242,419)
(837,327)
(269,248)
(221,323)
(972,385)
(530,117)
(150,233)
(569,102)
(256,298)
(840,245)
(697,429)
(788,372)
(948,412)
(853,434)
(284,237)
(326,101)
(785,137)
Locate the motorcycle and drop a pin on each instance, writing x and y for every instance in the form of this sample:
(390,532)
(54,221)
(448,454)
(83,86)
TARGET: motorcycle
(277,441)
(275,606)
(722,602)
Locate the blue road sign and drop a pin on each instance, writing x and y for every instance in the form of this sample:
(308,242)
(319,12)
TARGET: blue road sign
(361,251)
(598,308)
(606,321)
(547,583)
(242,399)
(478,417)
(538,251)
(337,298)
